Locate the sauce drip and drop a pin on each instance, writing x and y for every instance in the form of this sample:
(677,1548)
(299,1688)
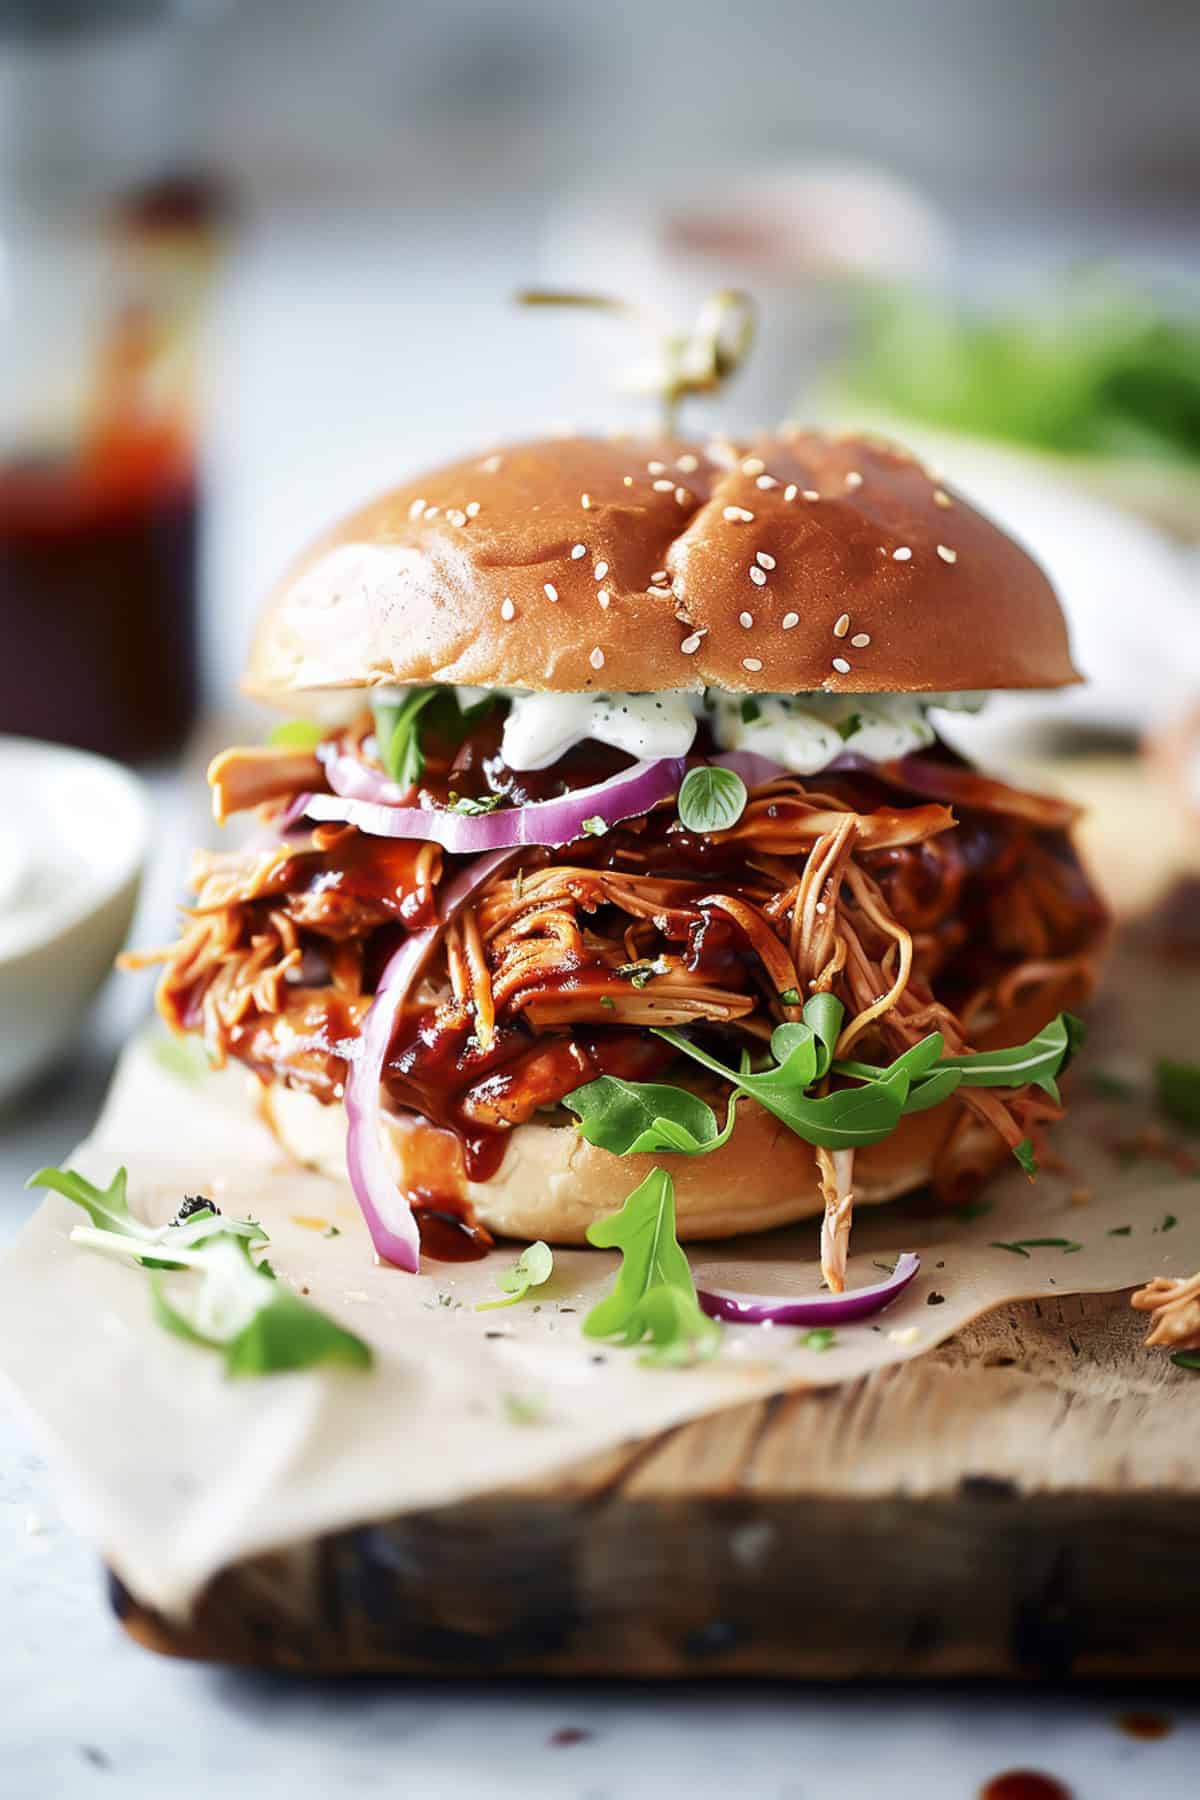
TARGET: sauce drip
(447,1234)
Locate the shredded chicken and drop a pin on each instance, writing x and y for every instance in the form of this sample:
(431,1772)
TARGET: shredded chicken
(1174,1306)
(863,885)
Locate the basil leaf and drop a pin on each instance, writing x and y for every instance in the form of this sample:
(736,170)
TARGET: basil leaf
(653,1298)
(296,734)
(711,798)
(636,1118)
(1177,1087)
(533,1267)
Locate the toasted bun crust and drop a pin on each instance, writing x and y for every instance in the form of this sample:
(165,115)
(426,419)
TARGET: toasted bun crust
(486,573)
(552,1184)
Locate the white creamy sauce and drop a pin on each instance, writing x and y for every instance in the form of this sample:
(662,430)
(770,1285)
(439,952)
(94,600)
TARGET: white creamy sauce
(804,732)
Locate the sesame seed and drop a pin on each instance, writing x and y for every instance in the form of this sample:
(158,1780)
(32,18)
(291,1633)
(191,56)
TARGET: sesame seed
(550,591)
(416,509)
(603,596)
(766,481)
(810,494)
(854,479)
(790,491)
(597,658)
(841,665)
(682,495)
(690,645)
(664,486)
(842,625)
(490,464)
(657,468)
(946,554)
(764,559)
(903,554)
(507,610)
(627,480)
(661,575)
(789,621)
(752,663)
(472,509)
(660,593)
(431,512)
(753,465)
(757,576)
(600,571)
(688,463)
(737,515)
(585,500)
(456,517)
(746,620)
(578,550)
(941,497)
(861,639)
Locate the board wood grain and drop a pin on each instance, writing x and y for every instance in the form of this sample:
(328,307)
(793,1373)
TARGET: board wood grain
(1022,1502)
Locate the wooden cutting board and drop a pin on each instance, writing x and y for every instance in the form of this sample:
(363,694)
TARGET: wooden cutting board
(1024,1501)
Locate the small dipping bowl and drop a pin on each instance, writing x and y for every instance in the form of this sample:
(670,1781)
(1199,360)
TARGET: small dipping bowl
(73,836)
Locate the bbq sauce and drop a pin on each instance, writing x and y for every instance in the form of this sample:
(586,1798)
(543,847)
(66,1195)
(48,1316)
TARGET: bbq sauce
(447,1234)
(1024,1784)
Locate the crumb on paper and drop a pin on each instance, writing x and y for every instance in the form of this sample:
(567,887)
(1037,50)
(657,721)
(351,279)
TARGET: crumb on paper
(355,1294)
(904,1334)
(1080,1196)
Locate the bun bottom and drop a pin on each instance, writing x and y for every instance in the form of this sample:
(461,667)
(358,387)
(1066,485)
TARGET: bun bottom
(552,1184)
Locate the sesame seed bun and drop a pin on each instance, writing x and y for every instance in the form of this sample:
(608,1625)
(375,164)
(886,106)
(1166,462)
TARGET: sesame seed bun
(553,1185)
(643,564)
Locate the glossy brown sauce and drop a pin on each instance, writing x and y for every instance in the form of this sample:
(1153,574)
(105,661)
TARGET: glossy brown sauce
(1024,1784)
(450,1236)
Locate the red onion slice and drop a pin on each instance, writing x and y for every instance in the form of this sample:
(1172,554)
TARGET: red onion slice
(550,822)
(386,1210)
(822,1309)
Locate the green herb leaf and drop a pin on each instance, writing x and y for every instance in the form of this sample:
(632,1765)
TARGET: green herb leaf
(235,1306)
(711,798)
(533,1268)
(1039,1061)
(1120,1231)
(1169,1223)
(523,1409)
(1177,1087)
(639,973)
(396,731)
(634,1118)
(296,734)
(1025,1156)
(1022,1246)
(1187,1359)
(790,997)
(653,1298)
(595,826)
(823,1014)
(821,1337)
(184,1057)
(473,808)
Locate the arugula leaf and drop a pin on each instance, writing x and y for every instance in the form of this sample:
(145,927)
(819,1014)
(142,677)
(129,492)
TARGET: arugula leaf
(533,1267)
(1177,1088)
(1025,1156)
(654,1296)
(398,737)
(1039,1061)
(711,798)
(634,1118)
(823,1014)
(839,1121)
(296,734)
(236,1306)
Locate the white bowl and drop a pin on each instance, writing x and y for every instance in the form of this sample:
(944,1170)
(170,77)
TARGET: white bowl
(73,835)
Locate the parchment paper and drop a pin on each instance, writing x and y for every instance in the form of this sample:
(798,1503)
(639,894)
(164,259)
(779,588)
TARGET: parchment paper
(180,1471)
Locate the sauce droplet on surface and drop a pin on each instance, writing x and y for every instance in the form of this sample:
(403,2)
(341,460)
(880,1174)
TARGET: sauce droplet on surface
(1148,1727)
(1024,1784)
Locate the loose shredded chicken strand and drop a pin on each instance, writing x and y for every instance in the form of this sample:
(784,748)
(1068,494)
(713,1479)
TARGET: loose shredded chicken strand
(1173,1303)
(836,1171)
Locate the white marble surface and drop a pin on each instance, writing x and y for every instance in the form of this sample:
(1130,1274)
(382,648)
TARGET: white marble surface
(83,1711)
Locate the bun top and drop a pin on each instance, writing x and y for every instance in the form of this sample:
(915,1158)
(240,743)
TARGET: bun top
(786,564)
